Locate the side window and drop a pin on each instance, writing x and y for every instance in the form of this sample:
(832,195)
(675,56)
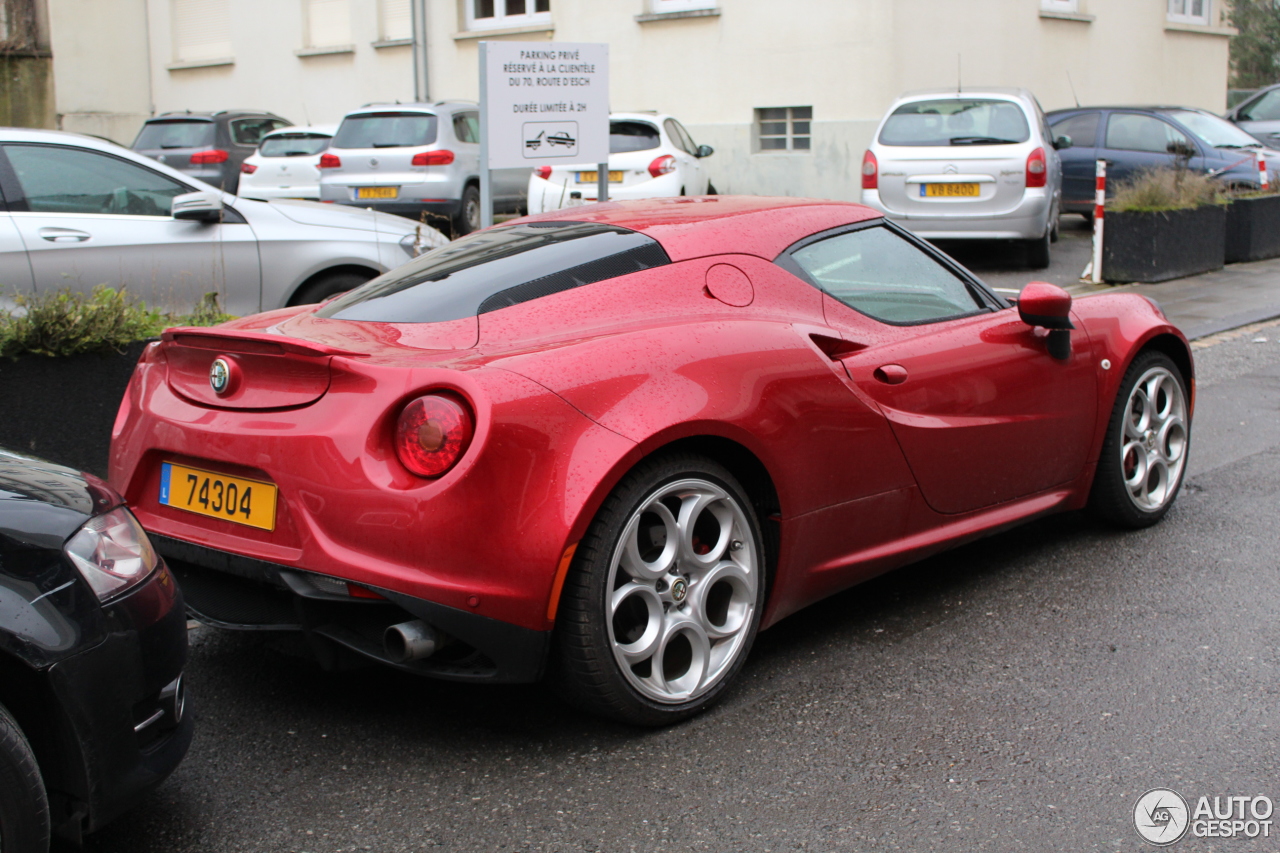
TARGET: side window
(678,136)
(466,127)
(878,273)
(55,179)
(1134,132)
(249,131)
(1266,108)
(1083,130)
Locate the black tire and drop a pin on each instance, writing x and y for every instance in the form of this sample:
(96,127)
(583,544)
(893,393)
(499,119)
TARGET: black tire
(24,808)
(587,662)
(1055,229)
(1038,251)
(468,218)
(711,189)
(325,286)
(1111,498)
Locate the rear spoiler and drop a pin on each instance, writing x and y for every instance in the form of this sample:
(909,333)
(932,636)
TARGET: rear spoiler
(264,343)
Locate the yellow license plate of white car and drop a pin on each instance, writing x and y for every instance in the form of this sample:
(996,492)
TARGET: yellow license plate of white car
(949,190)
(615,177)
(248,502)
(377,192)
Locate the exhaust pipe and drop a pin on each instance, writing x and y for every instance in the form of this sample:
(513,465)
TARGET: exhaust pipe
(410,641)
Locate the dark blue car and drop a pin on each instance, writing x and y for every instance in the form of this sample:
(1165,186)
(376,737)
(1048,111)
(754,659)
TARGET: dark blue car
(1134,138)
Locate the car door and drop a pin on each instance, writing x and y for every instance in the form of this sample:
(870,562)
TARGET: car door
(88,217)
(981,411)
(1079,161)
(15,269)
(1133,142)
(692,173)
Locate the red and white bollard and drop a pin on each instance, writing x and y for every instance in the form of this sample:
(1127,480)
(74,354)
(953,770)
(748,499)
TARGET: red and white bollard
(1099,206)
(1263,180)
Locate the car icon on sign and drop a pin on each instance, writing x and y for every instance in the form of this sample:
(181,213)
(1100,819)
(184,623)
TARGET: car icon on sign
(561,138)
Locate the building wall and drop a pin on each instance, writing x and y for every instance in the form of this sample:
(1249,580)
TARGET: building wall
(26,65)
(101,70)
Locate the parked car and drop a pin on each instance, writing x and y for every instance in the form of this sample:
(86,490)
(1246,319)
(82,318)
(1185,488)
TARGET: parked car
(421,161)
(977,164)
(612,450)
(80,212)
(207,146)
(651,155)
(1131,139)
(286,164)
(93,641)
(1259,116)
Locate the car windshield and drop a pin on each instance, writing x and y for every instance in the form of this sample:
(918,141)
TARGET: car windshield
(386,130)
(497,268)
(956,121)
(1218,132)
(293,145)
(627,136)
(175,134)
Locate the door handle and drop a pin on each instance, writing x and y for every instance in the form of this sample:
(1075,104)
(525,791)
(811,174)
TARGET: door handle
(891,374)
(63,235)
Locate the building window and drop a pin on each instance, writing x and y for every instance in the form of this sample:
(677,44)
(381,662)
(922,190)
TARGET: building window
(395,20)
(783,128)
(661,7)
(328,23)
(201,29)
(497,14)
(1189,11)
(1060,5)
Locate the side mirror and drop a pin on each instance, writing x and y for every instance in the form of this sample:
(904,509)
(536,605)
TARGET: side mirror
(198,207)
(704,151)
(1049,307)
(1062,142)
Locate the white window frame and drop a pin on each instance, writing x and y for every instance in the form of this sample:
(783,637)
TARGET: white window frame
(403,9)
(308,11)
(1059,5)
(663,7)
(1178,14)
(501,20)
(187,49)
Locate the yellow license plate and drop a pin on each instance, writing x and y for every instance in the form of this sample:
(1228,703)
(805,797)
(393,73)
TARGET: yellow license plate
(248,502)
(615,177)
(377,192)
(949,190)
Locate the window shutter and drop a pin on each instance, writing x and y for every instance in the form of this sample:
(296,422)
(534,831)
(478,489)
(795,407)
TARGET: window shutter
(201,29)
(397,20)
(328,23)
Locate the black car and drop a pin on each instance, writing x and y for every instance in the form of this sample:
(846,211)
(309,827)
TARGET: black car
(207,146)
(93,642)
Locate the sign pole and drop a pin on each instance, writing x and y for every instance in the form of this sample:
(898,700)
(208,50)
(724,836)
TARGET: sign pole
(486,185)
(602,182)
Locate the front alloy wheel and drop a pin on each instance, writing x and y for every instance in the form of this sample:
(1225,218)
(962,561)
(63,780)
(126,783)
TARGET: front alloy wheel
(665,597)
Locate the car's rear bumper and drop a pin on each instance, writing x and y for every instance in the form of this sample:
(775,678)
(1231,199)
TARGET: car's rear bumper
(1027,221)
(308,192)
(545,196)
(428,211)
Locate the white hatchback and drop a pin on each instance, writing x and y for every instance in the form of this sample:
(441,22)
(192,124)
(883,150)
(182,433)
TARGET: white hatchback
(963,165)
(286,164)
(651,155)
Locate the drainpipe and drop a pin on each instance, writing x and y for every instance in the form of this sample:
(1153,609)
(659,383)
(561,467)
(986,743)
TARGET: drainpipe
(419,15)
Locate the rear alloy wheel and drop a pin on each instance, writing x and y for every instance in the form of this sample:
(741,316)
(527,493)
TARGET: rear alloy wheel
(664,598)
(24,808)
(468,218)
(1038,251)
(326,286)
(1145,452)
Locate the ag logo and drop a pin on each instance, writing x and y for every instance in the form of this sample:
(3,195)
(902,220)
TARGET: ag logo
(1161,816)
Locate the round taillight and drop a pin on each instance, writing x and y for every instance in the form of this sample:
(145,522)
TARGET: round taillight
(664,165)
(432,434)
(330,161)
(543,172)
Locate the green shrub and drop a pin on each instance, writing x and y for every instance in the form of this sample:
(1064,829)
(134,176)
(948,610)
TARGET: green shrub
(70,322)
(1166,189)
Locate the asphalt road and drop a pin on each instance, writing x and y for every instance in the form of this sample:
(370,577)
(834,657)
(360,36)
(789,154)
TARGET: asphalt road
(1017,694)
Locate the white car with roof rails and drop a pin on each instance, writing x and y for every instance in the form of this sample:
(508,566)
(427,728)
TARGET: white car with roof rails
(286,164)
(971,164)
(651,155)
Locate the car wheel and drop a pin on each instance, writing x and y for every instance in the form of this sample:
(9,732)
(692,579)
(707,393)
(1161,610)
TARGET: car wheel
(663,600)
(328,285)
(24,808)
(468,218)
(1144,454)
(1038,251)
(711,189)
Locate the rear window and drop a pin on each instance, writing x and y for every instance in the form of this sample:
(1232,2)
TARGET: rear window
(386,130)
(293,145)
(175,134)
(497,268)
(627,136)
(955,121)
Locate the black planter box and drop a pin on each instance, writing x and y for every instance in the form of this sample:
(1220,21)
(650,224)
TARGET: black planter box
(63,408)
(1253,228)
(1150,247)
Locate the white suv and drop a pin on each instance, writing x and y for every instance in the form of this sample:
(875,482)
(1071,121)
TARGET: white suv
(975,164)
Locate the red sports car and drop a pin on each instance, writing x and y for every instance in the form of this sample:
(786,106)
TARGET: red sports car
(611,443)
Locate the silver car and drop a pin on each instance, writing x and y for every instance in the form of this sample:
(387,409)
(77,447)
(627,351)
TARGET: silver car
(416,160)
(963,165)
(1260,115)
(80,211)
